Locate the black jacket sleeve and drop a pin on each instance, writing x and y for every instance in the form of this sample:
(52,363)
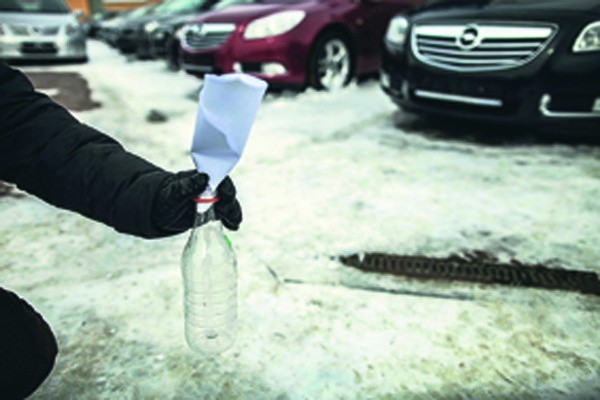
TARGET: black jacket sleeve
(45,151)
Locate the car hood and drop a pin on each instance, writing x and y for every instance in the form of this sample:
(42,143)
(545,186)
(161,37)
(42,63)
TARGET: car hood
(547,10)
(248,12)
(111,23)
(137,22)
(179,19)
(37,19)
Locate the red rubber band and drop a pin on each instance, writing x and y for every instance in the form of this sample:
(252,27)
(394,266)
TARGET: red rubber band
(208,200)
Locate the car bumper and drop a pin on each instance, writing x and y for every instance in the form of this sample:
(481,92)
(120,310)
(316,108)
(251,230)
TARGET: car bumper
(553,99)
(43,48)
(126,41)
(125,45)
(276,60)
(158,43)
(143,46)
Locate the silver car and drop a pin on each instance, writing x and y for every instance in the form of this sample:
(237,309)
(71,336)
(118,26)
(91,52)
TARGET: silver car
(40,30)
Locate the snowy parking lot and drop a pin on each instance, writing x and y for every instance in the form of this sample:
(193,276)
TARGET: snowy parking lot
(323,175)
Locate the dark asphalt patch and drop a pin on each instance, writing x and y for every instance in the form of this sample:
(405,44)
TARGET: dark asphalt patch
(69,89)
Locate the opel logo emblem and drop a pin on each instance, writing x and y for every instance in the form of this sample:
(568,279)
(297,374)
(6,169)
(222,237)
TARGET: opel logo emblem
(197,30)
(469,38)
(34,30)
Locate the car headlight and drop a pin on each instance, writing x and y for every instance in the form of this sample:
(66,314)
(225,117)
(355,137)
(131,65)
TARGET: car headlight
(159,33)
(72,29)
(151,26)
(274,24)
(180,33)
(589,38)
(397,30)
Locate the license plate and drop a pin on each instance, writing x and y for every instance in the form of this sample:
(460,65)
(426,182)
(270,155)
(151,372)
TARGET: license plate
(38,48)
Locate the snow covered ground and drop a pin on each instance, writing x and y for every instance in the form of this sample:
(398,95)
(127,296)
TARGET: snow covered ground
(323,175)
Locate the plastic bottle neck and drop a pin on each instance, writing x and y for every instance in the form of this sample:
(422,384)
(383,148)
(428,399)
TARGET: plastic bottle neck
(205,201)
(205,211)
(204,216)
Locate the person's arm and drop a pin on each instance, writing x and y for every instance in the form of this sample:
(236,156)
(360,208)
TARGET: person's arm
(45,151)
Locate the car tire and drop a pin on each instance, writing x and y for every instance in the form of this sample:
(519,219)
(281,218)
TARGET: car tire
(331,64)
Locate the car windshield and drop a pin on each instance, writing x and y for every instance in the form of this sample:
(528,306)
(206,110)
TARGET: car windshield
(140,12)
(233,2)
(177,6)
(34,6)
(226,3)
(517,1)
(435,3)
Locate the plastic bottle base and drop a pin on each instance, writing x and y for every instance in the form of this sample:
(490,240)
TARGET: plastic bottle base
(211,335)
(210,341)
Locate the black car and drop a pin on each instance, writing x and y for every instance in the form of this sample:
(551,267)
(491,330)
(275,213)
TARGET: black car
(160,38)
(169,10)
(529,62)
(94,25)
(129,30)
(110,30)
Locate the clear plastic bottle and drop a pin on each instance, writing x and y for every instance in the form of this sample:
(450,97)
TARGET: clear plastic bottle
(209,268)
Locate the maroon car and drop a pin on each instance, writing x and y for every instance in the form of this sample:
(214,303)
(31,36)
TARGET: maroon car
(293,43)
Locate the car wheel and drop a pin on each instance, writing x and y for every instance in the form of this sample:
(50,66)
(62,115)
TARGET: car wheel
(330,66)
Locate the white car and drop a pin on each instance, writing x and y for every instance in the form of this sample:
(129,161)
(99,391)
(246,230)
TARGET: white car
(40,30)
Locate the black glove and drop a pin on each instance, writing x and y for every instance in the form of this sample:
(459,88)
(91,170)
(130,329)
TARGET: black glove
(174,210)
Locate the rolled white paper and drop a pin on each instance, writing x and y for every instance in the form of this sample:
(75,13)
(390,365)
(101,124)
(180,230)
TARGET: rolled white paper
(226,111)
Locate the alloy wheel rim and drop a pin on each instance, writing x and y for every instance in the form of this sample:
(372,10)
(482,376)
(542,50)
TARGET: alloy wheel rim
(334,65)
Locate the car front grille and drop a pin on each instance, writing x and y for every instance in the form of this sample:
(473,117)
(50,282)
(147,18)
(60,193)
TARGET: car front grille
(208,41)
(28,30)
(479,47)
(206,36)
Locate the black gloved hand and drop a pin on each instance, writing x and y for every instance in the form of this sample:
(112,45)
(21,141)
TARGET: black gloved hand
(174,209)
(228,209)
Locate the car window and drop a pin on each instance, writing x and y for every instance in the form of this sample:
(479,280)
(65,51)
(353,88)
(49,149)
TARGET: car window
(34,6)
(441,4)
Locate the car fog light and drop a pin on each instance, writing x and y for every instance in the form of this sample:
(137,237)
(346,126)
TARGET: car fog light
(273,69)
(405,90)
(180,33)
(384,79)
(151,26)
(596,106)
(71,29)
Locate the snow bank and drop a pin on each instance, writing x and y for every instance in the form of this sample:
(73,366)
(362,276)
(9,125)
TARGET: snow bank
(323,174)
